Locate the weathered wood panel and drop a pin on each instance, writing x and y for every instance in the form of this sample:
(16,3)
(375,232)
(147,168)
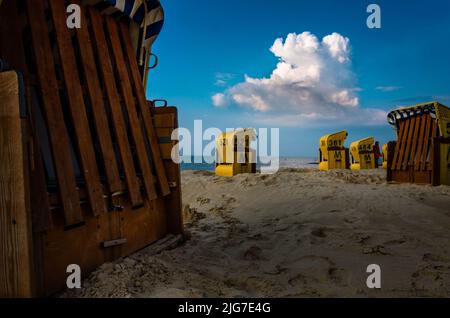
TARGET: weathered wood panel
(95,95)
(415,156)
(107,73)
(173,200)
(409,141)
(398,143)
(15,231)
(127,96)
(403,142)
(77,108)
(421,141)
(414,142)
(144,109)
(59,139)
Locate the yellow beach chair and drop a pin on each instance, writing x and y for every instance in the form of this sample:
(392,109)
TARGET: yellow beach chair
(234,154)
(362,154)
(332,152)
(385,155)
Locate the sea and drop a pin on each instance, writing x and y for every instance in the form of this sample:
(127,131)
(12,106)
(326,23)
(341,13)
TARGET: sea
(285,162)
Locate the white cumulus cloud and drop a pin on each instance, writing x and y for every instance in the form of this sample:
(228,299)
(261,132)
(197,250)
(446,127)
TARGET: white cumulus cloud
(219,100)
(313,81)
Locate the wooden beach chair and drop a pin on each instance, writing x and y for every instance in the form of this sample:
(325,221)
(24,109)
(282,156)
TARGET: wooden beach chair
(421,153)
(86,173)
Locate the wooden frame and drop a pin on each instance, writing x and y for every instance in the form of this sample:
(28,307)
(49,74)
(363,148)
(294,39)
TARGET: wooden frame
(96,182)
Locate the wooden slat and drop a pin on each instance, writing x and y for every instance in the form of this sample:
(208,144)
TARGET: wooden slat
(98,107)
(404,124)
(426,143)
(404,139)
(409,141)
(106,70)
(127,95)
(58,136)
(15,235)
(398,143)
(434,131)
(414,142)
(144,110)
(173,201)
(77,108)
(423,124)
(39,200)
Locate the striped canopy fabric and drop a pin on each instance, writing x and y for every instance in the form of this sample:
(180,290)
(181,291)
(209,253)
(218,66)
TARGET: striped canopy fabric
(148,15)
(412,111)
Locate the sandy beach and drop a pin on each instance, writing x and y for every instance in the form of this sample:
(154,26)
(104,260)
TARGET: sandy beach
(297,233)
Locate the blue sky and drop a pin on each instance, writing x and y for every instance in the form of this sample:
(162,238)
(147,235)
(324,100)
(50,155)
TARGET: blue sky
(207,47)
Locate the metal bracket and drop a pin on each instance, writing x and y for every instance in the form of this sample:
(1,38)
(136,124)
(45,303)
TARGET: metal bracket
(155,64)
(159,101)
(113,243)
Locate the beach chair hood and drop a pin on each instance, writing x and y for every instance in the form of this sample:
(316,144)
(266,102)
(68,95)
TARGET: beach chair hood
(147,18)
(437,111)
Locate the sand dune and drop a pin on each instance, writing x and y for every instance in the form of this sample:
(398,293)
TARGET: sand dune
(297,233)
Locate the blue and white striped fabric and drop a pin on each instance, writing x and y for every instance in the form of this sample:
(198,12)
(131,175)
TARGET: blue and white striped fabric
(147,14)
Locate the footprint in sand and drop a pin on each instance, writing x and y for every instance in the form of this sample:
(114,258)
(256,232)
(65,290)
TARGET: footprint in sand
(375,250)
(203,200)
(351,220)
(361,238)
(395,242)
(205,173)
(432,275)
(431,278)
(191,215)
(247,182)
(338,275)
(277,270)
(429,257)
(221,180)
(317,270)
(319,232)
(268,180)
(253,253)
(228,200)
(256,237)
(300,279)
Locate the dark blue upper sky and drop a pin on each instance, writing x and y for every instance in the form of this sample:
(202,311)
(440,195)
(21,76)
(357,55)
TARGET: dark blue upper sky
(405,62)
